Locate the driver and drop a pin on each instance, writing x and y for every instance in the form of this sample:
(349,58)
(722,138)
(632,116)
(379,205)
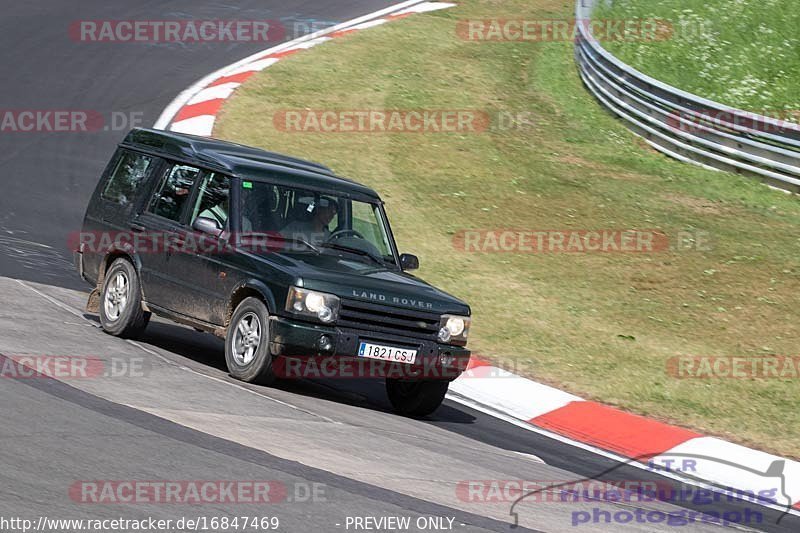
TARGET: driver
(315,228)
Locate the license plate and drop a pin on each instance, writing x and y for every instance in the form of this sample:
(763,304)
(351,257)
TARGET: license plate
(387,353)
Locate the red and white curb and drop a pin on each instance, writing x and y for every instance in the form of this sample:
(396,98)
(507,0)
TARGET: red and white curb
(195,110)
(634,439)
(573,420)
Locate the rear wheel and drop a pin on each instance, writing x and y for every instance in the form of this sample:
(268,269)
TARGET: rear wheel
(121,312)
(416,398)
(247,343)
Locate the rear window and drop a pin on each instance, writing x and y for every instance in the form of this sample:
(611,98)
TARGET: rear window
(131,169)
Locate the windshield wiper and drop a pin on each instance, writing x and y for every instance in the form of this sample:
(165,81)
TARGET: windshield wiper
(358,251)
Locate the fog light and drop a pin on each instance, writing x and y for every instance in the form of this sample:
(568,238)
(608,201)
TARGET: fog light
(325,343)
(444,334)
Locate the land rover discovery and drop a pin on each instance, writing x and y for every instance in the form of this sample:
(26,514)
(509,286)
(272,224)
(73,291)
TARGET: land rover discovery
(280,257)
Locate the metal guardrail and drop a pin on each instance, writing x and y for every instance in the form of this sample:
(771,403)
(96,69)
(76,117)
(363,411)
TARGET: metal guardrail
(685,126)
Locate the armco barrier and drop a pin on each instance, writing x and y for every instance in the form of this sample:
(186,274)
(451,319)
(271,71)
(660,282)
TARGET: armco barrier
(684,126)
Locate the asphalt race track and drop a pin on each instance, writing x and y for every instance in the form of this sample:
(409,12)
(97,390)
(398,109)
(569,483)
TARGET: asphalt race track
(332,451)
(47,69)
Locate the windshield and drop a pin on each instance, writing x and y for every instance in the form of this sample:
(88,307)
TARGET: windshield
(316,222)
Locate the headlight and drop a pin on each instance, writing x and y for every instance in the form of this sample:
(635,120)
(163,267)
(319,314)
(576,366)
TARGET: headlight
(322,306)
(454,329)
(314,302)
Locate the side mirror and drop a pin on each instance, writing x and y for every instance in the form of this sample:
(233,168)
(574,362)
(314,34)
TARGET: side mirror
(209,226)
(409,262)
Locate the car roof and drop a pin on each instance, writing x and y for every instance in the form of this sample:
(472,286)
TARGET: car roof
(245,162)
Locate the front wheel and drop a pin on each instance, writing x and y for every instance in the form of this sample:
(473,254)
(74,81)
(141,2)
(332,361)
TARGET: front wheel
(416,398)
(247,343)
(121,312)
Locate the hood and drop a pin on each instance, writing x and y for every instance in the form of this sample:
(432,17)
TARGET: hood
(351,278)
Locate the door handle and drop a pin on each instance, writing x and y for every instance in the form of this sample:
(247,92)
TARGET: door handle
(138,228)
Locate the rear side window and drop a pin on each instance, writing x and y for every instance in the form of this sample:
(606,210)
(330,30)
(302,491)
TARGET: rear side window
(174,192)
(131,169)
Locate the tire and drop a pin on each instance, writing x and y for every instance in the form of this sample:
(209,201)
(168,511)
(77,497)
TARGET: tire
(121,312)
(247,343)
(416,398)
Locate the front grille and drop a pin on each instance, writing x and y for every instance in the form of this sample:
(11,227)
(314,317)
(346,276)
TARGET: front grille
(392,320)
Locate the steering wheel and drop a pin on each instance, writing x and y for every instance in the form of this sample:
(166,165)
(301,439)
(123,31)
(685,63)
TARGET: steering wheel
(338,234)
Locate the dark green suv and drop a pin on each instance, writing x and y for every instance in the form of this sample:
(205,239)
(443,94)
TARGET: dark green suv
(288,262)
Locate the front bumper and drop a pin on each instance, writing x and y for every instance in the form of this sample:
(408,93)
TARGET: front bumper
(295,339)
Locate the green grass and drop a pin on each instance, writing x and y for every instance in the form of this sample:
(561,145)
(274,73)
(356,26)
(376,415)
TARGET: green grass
(742,53)
(599,325)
